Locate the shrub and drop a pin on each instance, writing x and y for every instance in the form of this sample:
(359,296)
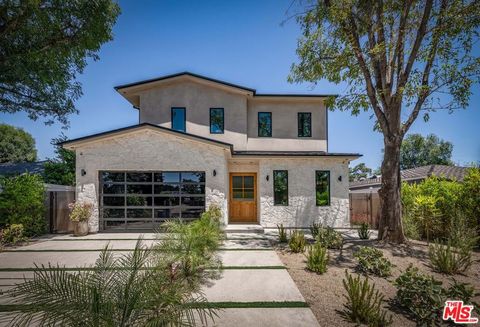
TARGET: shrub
(421,295)
(22,202)
(297,242)
(329,238)
(317,258)
(364,303)
(80,211)
(282,234)
(462,291)
(314,228)
(363,231)
(427,215)
(449,258)
(372,261)
(12,235)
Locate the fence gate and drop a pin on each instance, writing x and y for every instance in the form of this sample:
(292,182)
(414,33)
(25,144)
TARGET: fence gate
(365,207)
(57,199)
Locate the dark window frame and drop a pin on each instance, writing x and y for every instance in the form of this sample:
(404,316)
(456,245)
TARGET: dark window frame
(223,120)
(184,118)
(258,123)
(300,127)
(329,188)
(276,202)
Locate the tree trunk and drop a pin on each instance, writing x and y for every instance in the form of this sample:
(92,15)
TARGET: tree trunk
(390,225)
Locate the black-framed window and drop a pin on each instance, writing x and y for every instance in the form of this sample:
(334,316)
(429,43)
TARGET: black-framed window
(304,124)
(179,117)
(142,200)
(264,124)
(280,187)
(322,187)
(217,120)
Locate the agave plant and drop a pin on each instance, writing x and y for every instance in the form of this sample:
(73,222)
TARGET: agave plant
(132,289)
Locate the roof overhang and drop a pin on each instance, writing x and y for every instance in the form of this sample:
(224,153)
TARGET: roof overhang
(294,154)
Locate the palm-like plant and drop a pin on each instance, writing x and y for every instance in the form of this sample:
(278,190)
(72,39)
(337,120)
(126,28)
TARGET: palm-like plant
(133,289)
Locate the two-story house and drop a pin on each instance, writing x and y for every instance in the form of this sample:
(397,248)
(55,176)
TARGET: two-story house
(263,158)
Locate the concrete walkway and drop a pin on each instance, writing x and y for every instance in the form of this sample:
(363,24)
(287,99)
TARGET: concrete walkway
(254,288)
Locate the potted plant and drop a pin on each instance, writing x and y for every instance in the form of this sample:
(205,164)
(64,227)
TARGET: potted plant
(79,215)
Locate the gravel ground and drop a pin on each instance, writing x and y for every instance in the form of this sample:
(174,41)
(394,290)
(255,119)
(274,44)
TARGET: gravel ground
(325,292)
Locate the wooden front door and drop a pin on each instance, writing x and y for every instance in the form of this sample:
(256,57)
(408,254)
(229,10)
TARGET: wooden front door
(243,198)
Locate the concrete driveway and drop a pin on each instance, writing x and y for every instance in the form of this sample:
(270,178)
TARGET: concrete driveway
(254,289)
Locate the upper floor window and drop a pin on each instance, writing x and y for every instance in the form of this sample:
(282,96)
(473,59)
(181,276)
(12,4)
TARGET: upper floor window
(280,187)
(265,124)
(304,124)
(322,187)
(178,119)
(217,120)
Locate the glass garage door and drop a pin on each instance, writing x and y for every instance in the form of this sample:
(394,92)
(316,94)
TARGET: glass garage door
(142,200)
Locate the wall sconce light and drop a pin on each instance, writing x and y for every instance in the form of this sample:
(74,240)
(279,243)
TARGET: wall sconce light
(214,172)
(340,178)
(268,177)
(83,172)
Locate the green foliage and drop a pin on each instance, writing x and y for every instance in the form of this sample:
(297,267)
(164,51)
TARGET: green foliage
(359,172)
(364,303)
(80,211)
(16,145)
(427,215)
(470,196)
(60,170)
(22,202)
(282,234)
(44,47)
(314,228)
(363,232)
(417,151)
(329,238)
(317,258)
(421,295)
(464,292)
(297,242)
(131,289)
(12,235)
(372,261)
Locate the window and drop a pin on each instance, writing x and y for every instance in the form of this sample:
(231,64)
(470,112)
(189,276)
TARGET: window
(178,119)
(243,188)
(141,200)
(304,124)
(280,187)
(265,124)
(217,120)
(322,187)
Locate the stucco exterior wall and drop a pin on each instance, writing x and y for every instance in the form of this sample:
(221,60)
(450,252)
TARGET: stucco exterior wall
(156,104)
(149,150)
(285,125)
(302,210)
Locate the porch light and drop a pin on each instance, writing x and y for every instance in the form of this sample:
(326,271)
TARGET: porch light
(83,172)
(268,177)
(214,172)
(340,178)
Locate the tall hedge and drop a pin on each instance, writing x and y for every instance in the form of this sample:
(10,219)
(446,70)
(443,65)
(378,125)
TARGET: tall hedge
(22,202)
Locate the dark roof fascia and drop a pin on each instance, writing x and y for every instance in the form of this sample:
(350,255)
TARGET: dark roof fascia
(181,74)
(294,95)
(294,154)
(123,129)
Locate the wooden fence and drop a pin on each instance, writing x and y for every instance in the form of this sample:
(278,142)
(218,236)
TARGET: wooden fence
(365,207)
(57,199)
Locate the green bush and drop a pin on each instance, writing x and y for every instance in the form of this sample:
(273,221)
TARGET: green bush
(421,295)
(297,242)
(22,202)
(448,258)
(427,215)
(80,211)
(12,235)
(372,261)
(282,234)
(364,303)
(463,292)
(314,228)
(363,231)
(329,238)
(317,258)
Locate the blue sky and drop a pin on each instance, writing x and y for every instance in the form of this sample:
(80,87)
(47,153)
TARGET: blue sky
(241,42)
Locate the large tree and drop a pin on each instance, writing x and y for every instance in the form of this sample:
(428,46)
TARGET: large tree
(60,170)
(44,44)
(399,58)
(16,145)
(359,172)
(419,151)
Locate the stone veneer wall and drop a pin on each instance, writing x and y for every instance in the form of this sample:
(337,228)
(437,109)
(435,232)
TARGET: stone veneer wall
(150,150)
(302,210)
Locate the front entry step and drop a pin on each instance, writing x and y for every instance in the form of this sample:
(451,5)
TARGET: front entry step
(244,228)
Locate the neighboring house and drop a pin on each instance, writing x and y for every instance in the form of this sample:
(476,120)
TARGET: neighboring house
(262,158)
(413,175)
(15,168)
